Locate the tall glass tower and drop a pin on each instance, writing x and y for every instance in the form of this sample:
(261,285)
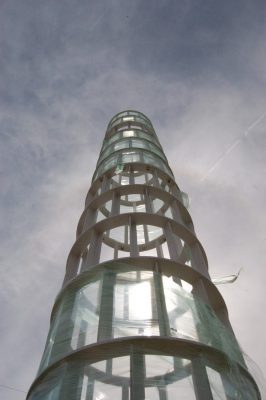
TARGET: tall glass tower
(138,316)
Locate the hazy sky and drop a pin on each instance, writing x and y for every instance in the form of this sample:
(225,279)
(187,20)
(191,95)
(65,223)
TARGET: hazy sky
(197,70)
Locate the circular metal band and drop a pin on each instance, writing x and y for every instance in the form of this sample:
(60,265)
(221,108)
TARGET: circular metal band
(135,218)
(155,192)
(140,167)
(166,266)
(148,346)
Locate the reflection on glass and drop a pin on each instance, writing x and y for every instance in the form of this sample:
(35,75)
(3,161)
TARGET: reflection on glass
(74,325)
(134,308)
(128,133)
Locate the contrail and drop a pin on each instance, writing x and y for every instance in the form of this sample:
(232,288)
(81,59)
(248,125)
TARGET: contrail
(232,146)
(254,124)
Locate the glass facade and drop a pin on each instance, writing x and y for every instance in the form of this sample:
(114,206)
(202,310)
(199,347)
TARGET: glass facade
(131,302)
(138,316)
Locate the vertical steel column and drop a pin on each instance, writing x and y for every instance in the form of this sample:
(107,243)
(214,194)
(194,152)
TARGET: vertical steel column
(106,308)
(200,380)
(137,369)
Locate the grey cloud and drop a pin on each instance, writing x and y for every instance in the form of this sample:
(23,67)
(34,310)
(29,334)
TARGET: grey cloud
(66,69)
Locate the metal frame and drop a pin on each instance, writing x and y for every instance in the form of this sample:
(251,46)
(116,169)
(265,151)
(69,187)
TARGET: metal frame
(165,229)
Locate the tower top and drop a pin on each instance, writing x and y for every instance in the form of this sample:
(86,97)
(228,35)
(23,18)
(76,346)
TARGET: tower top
(126,116)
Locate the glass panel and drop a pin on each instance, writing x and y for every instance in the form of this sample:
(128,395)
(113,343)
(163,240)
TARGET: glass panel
(120,366)
(105,391)
(74,325)
(84,388)
(147,136)
(135,308)
(116,122)
(152,393)
(109,382)
(120,145)
(129,134)
(182,388)
(50,387)
(158,365)
(192,319)
(162,377)
(217,386)
(110,140)
(86,320)
(140,143)
(186,286)
(124,113)
(180,310)
(168,378)
(130,157)
(231,386)
(124,180)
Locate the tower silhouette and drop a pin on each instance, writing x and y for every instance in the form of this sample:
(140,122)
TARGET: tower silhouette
(138,316)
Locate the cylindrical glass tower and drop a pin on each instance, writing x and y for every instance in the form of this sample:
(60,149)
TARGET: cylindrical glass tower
(138,316)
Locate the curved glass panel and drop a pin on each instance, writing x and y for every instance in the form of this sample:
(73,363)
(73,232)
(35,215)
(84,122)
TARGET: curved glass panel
(119,303)
(131,143)
(231,385)
(140,375)
(186,314)
(75,323)
(129,113)
(130,133)
(130,117)
(133,156)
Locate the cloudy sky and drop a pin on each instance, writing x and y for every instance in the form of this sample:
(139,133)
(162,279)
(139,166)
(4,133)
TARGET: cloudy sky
(196,68)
